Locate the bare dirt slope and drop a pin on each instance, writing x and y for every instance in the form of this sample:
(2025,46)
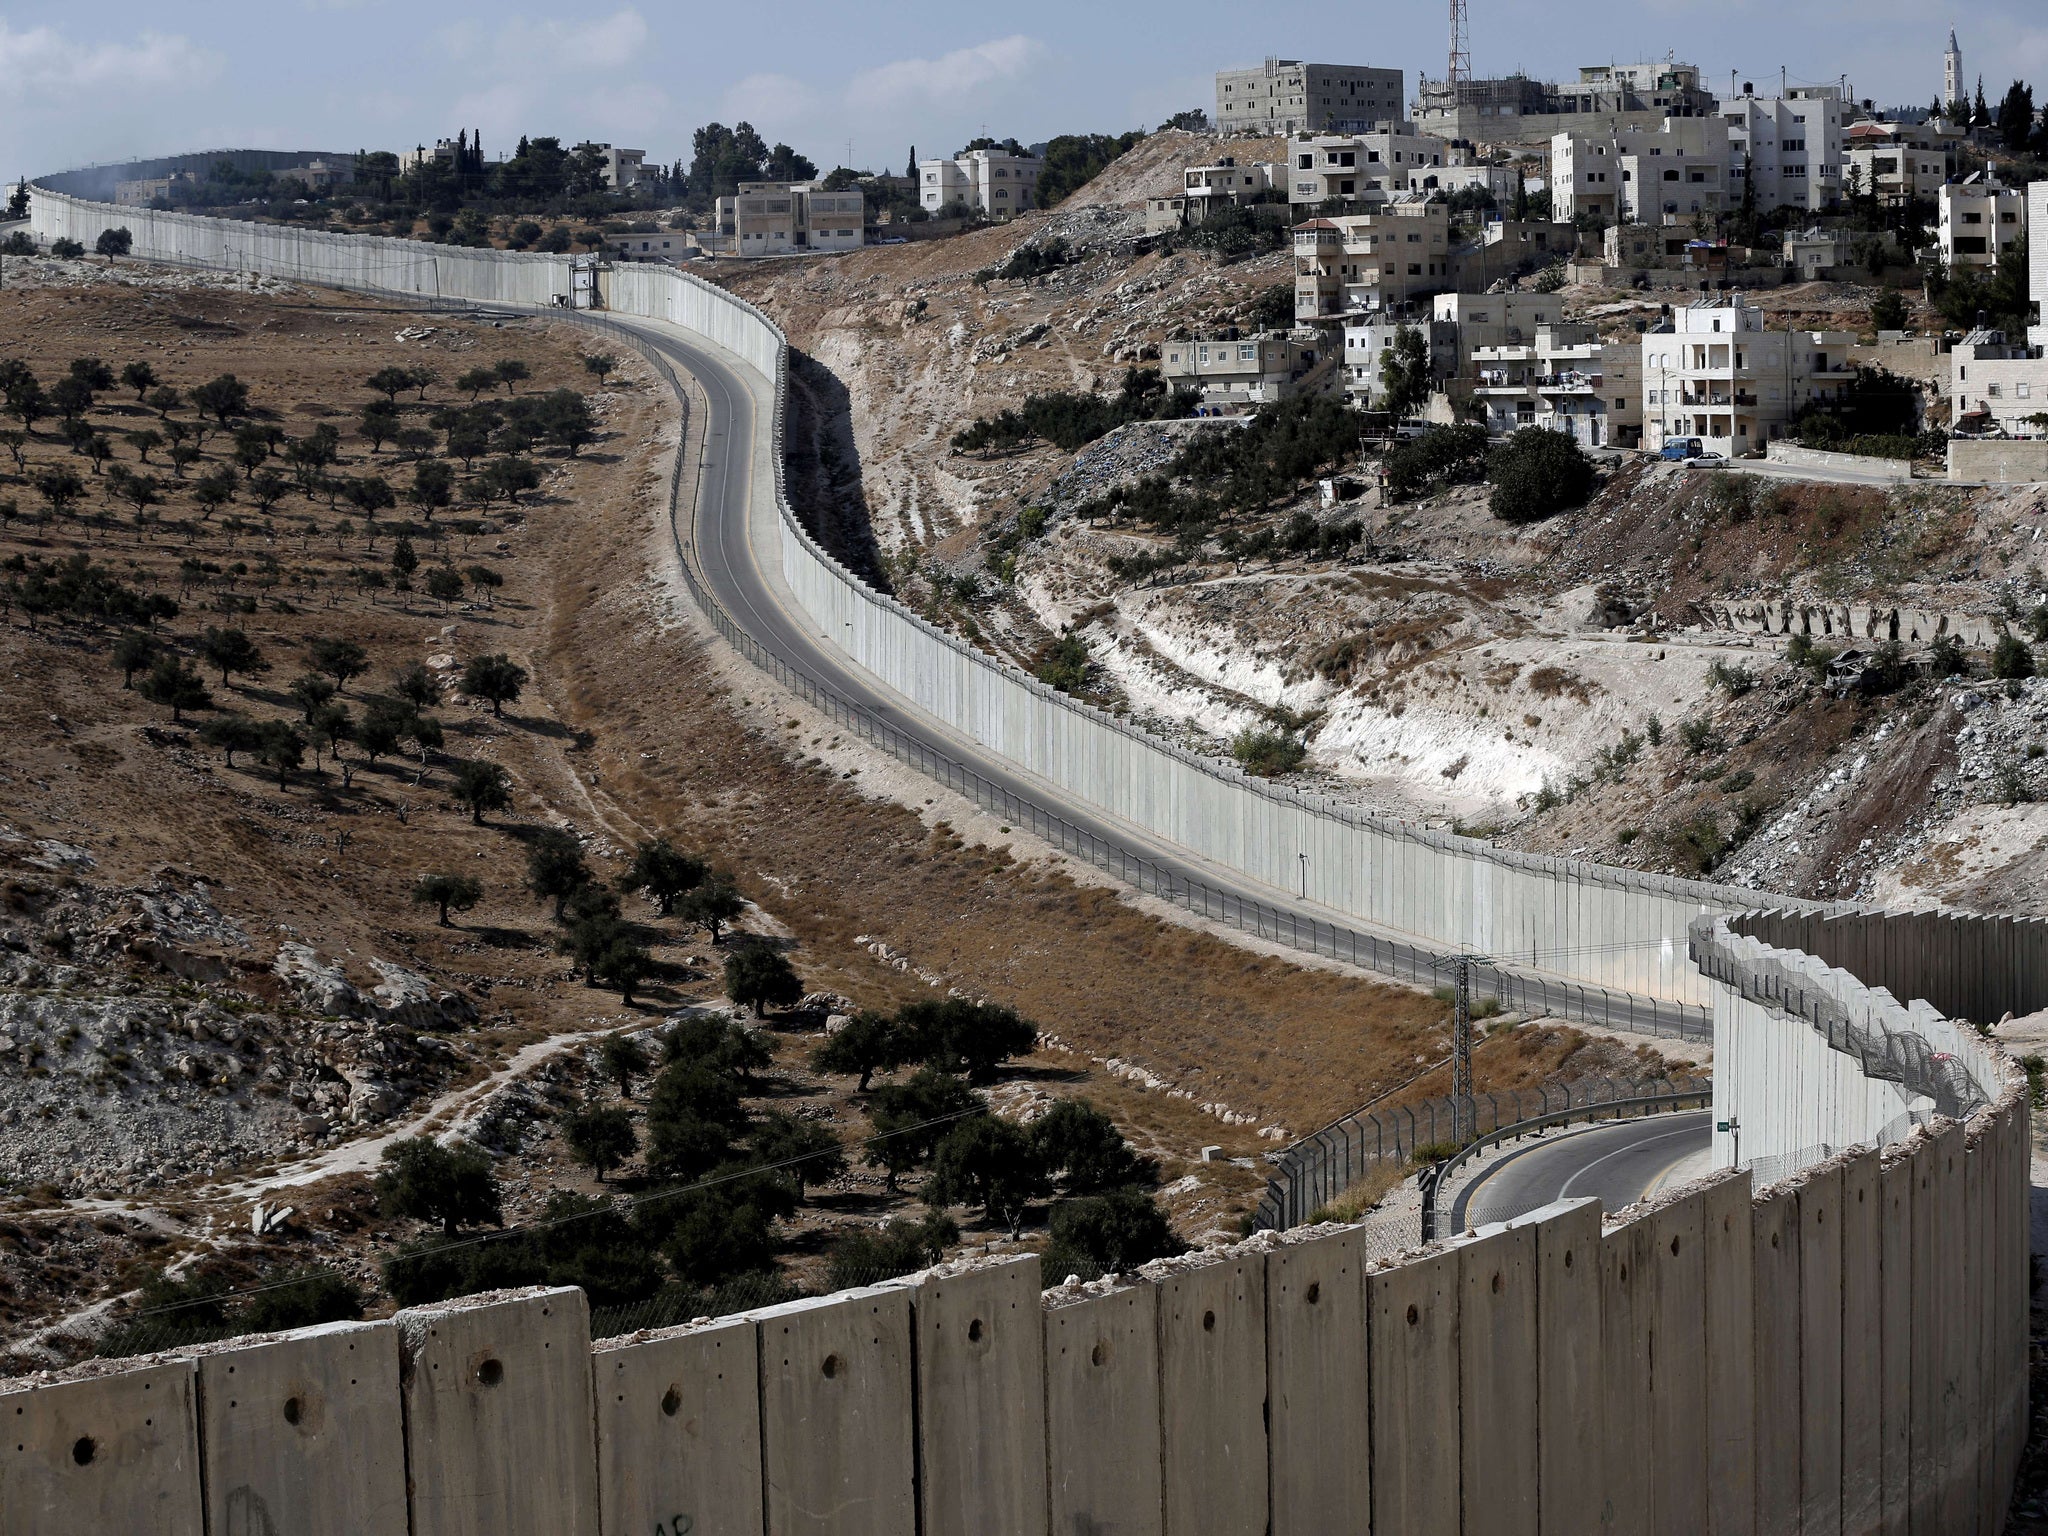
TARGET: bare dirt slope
(212,983)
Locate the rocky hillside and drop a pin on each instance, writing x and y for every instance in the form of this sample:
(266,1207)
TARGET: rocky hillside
(1574,685)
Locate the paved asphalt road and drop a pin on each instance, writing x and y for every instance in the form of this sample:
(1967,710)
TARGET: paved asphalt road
(1619,1164)
(726,561)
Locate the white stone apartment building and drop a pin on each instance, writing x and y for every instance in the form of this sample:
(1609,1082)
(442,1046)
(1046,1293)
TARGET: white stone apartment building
(1457,326)
(1362,262)
(1997,382)
(1205,188)
(1717,372)
(1792,148)
(1556,381)
(1362,167)
(1292,96)
(1980,221)
(619,169)
(1643,176)
(782,218)
(987,181)
(1900,162)
(1241,373)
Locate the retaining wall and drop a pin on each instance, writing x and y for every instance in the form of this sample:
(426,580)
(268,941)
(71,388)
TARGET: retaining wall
(1997,461)
(1611,928)
(1844,1351)
(1792,455)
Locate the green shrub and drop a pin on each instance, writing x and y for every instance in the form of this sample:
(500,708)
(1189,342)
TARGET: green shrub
(1538,473)
(1441,456)
(1267,754)
(2012,658)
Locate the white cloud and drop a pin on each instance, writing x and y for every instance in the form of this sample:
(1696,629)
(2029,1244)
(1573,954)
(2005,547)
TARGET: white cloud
(522,46)
(949,78)
(769,98)
(42,62)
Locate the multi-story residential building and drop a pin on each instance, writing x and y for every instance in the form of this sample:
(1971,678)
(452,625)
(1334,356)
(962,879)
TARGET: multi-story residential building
(619,169)
(1362,262)
(1901,163)
(1998,382)
(780,218)
(1510,248)
(1361,167)
(1815,254)
(1642,176)
(2037,260)
(1241,373)
(142,193)
(1791,150)
(443,153)
(989,181)
(1557,381)
(1980,221)
(1518,110)
(1290,96)
(1457,327)
(1715,371)
(1205,188)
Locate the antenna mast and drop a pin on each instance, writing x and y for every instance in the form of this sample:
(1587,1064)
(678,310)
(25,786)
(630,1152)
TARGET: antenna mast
(1460,71)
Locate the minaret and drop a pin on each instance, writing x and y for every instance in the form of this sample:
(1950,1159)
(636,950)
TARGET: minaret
(1952,71)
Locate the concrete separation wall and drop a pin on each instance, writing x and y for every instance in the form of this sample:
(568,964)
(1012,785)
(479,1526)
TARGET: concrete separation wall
(1823,1358)
(1606,928)
(1705,1362)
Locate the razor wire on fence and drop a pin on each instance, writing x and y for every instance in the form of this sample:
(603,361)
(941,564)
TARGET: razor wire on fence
(1318,1169)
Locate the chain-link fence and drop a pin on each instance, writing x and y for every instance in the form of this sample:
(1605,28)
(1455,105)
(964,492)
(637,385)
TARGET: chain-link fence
(1319,1170)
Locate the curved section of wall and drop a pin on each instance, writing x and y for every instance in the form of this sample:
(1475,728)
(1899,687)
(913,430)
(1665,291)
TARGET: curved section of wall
(1605,927)
(1844,1350)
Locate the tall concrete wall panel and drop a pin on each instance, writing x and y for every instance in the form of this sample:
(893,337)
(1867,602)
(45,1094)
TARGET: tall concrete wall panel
(299,1433)
(1774,1355)
(1316,1383)
(1498,1432)
(1819,1199)
(1676,1274)
(679,1431)
(1862,1332)
(981,1352)
(118,1452)
(1102,1413)
(838,1439)
(498,1415)
(1898,1172)
(1628,1314)
(1729,1321)
(1570,1367)
(1413,1316)
(1212,1374)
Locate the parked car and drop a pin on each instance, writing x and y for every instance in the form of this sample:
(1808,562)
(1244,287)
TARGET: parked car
(1713,460)
(1681,448)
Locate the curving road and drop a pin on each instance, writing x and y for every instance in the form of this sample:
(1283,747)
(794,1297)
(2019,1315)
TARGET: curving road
(732,541)
(1618,1164)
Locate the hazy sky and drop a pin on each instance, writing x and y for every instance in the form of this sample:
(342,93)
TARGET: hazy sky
(121,79)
